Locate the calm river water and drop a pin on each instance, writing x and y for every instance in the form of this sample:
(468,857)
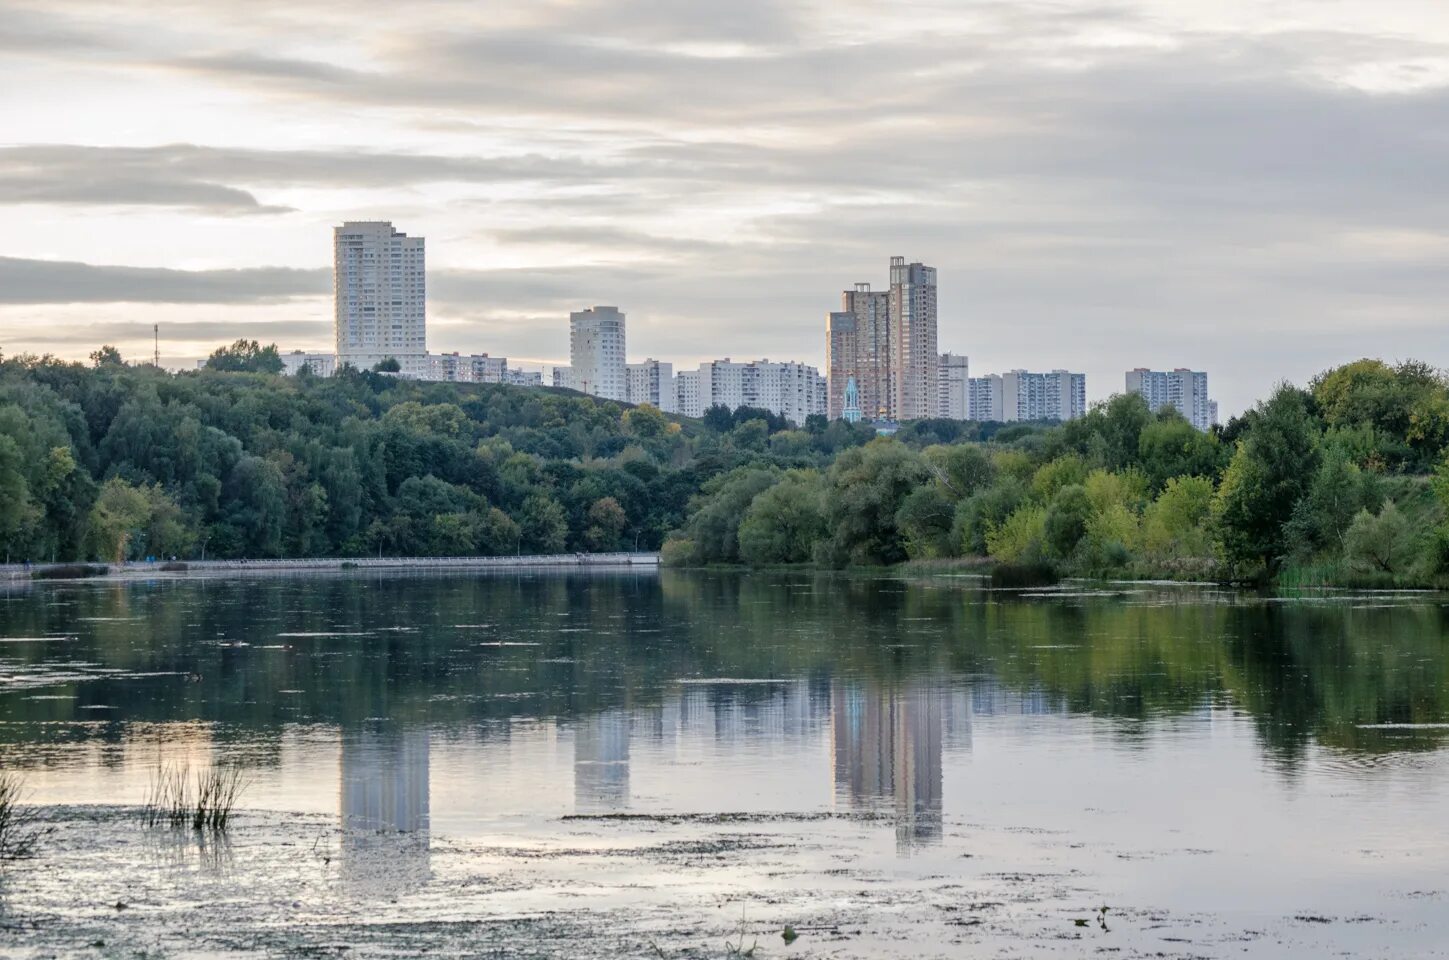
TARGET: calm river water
(645,764)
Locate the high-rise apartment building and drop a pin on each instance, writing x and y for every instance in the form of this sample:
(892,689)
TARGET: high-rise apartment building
(1184,390)
(952,387)
(871,363)
(886,341)
(793,390)
(1059,395)
(687,393)
(841,360)
(913,339)
(380,296)
(652,382)
(596,352)
(984,400)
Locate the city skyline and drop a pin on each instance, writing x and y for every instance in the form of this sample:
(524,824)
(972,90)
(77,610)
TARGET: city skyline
(1169,180)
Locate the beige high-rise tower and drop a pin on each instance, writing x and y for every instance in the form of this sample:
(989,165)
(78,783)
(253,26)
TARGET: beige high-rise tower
(863,323)
(886,341)
(915,364)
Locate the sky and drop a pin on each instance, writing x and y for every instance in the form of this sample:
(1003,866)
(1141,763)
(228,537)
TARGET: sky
(1259,190)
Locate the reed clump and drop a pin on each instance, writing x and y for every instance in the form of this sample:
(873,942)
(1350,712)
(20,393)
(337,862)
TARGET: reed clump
(203,801)
(20,833)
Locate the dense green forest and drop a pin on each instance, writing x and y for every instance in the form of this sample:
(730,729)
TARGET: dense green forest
(113,461)
(1343,482)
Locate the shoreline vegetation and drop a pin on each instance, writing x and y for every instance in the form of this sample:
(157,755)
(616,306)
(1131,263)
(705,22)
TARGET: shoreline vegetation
(1342,484)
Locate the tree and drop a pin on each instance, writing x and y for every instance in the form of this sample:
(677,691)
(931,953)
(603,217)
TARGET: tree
(387,365)
(107,356)
(645,421)
(977,516)
(962,469)
(116,519)
(1269,473)
(1109,434)
(1177,523)
(719,418)
(606,521)
(1066,520)
(1022,538)
(496,533)
(925,520)
(866,487)
(246,356)
(784,522)
(543,524)
(1171,447)
(17,508)
(1386,543)
(1321,519)
(1070,470)
(720,508)
(1406,406)
(126,518)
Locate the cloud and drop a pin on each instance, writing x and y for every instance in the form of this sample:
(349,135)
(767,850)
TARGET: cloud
(1103,185)
(57,281)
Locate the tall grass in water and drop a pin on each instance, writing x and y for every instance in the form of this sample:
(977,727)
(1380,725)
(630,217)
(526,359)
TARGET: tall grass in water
(19,834)
(202,802)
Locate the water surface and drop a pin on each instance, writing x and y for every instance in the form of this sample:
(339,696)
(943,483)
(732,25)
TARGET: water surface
(896,765)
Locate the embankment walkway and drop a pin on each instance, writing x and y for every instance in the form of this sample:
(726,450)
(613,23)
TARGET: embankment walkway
(18,571)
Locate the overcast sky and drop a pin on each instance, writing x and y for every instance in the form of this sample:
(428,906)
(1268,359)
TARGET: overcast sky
(1256,189)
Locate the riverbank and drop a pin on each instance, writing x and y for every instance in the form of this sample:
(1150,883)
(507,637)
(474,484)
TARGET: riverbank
(17,571)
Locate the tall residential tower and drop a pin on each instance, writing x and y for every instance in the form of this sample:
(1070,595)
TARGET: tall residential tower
(886,341)
(380,295)
(914,361)
(596,353)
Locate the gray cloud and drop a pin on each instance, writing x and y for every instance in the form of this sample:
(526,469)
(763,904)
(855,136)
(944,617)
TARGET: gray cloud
(137,336)
(1098,186)
(58,281)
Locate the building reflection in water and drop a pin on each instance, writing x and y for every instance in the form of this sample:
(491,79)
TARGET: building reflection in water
(383,809)
(601,762)
(888,745)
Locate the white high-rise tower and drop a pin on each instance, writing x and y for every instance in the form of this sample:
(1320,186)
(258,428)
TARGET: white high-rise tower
(380,295)
(596,352)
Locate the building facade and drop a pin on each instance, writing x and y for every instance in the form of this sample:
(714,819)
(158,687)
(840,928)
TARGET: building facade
(1184,390)
(596,352)
(523,378)
(984,399)
(320,364)
(1058,395)
(886,341)
(686,393)
(953,377)
(913,339)
(652,382)
(792,390)
(842,365)
(379,295)
(465,368)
